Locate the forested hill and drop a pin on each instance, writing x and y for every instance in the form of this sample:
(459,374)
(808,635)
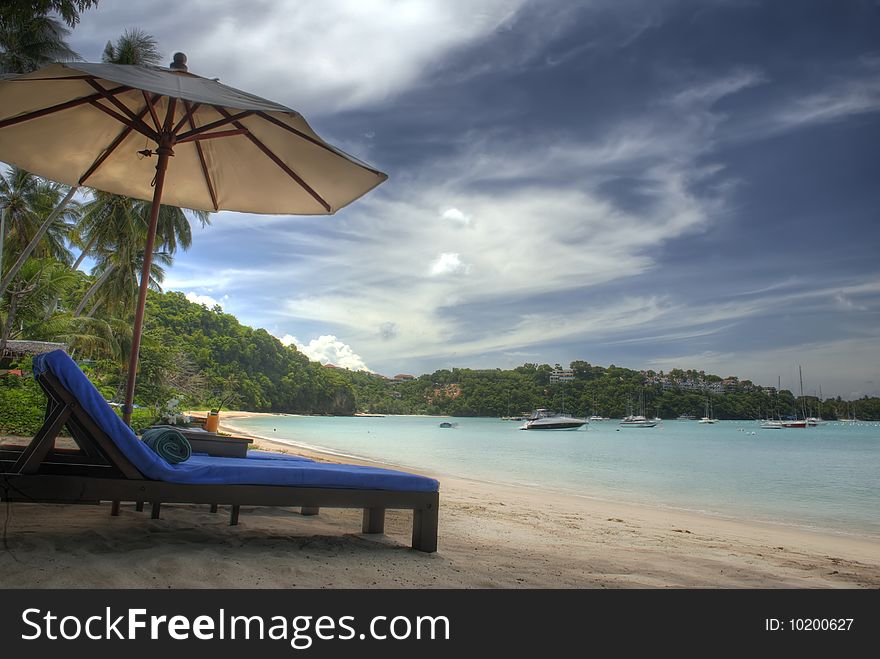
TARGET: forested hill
(207,357)
(608,391)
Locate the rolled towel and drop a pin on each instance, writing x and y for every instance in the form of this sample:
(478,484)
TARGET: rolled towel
(168,443)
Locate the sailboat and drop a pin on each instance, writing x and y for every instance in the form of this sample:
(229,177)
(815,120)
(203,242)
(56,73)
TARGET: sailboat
(798,423)
(637,420)
(594,416)
(708,418)
(817,420)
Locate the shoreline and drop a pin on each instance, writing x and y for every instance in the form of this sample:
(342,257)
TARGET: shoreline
(661,531)
(491,535)
(328,455)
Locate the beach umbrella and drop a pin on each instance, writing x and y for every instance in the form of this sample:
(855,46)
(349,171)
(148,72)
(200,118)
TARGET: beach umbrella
(166,135)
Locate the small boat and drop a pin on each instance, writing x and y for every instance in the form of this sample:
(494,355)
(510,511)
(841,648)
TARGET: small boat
(686,417)
(596,417)
(770,424)
(794,423)
(447,424)
(708,418)
(637,421)
(544,419)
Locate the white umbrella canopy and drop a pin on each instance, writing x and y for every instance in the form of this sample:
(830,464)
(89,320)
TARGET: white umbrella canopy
(174,138)
(103,109)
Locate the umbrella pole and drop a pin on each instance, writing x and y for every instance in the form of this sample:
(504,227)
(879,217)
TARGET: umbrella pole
(161,166)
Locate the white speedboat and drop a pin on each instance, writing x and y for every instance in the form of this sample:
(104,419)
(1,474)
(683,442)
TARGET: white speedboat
(770,424)
(596,417)
(544,419)
(637,421)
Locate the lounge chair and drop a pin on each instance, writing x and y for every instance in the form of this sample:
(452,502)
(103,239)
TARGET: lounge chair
(112,464)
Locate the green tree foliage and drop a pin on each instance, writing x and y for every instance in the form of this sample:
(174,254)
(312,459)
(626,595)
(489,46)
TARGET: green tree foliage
(197,353)
(611,391)
(22,10)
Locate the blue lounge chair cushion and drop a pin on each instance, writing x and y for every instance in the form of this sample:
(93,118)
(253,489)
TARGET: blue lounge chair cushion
(202,469)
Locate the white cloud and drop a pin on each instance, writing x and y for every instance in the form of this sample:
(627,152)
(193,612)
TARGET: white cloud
(308,54)
(834,103)
(708,92)
(448,263)
(327,349)
(456,217)
(206,300)
(844,303)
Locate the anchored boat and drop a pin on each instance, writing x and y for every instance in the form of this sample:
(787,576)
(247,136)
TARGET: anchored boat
(544,419)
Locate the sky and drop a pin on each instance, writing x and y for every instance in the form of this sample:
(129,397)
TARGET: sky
(647,183)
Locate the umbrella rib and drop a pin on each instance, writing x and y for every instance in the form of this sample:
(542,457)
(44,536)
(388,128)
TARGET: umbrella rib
(110,149)
(319,143)
(150,102)
(140,125)
(274,158)
(229,119)
(190,109)
(192,124)
(209,136)
(36,114)
(123,120)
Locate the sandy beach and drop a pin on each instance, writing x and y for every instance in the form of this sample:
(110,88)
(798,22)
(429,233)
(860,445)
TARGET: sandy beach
(491,536)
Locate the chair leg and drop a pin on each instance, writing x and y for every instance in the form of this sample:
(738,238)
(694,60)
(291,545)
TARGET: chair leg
(213,507)
(374,520)
(424,536)
(114,509)
(156,507)
(139,506)
(308,511)
(233,517)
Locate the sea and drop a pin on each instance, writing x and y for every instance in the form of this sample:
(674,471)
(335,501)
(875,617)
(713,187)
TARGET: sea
(824,478)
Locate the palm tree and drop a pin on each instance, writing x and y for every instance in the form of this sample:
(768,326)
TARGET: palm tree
(29,42)
(68,10)
(38,285)
(25,201)
(114,232)
(29,210)
(133,47)
(118,266)
(105,219)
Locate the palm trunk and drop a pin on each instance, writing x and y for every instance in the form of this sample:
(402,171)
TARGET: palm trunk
(94,289)
(50,310)
(2,238)
(35,240)
(10,321)
(15,296)
(86,250)
(93,309)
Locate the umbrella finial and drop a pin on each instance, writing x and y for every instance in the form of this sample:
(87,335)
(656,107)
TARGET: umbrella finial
(179,63)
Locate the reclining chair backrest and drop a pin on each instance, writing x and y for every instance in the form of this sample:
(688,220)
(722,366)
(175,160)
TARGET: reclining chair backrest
(59,364)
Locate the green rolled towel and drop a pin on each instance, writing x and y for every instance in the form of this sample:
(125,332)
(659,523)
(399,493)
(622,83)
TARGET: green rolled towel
(168,443)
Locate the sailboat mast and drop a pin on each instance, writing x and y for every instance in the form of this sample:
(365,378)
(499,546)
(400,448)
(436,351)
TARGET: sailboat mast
(803,400)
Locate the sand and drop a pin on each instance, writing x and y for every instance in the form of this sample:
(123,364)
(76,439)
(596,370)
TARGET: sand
(491,536)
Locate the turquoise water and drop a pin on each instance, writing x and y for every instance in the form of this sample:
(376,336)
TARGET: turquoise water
(827,477)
